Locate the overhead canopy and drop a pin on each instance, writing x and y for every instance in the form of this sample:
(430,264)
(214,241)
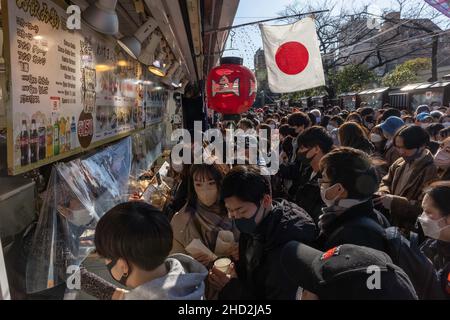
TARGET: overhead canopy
(182,24)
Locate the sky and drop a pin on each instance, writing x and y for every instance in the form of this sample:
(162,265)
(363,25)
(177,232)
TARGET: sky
(247,40)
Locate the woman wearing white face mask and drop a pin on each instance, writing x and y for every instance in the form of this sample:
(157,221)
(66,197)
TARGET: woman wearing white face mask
(435,223)
(348,183)
(203,216)
(442,160)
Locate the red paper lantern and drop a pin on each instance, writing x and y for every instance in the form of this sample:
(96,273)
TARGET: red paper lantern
(231,87)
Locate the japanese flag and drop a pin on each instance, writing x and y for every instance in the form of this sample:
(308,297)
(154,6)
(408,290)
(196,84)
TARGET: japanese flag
(293,56)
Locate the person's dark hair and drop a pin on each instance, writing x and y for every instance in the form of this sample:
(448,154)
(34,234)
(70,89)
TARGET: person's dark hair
(213,171)
(283,120)
(286,130)
(265,126)
(299,119)
(391,112)
(352,134)
(354,115)
(246,183)
(440,193)
(325,121)
(410,118)
(434,129)
(337,119)
(287,146)
(312,118)
(367,111)
(413,137)
(444,133)
(386,106)
(315,136)
(136,232)
(247,123)
(353,169)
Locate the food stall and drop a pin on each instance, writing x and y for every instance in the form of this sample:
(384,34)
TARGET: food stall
(306,102)
(349,101)
(319,101)
(375,98)
(399,98)
(83,108)
(431,94)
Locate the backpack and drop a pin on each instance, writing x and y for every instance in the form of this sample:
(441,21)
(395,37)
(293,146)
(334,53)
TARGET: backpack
(407,255)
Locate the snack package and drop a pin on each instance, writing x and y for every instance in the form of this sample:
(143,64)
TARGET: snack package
(197,247)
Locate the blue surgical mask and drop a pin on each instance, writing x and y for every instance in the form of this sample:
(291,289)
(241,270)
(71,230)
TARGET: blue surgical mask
(249,225)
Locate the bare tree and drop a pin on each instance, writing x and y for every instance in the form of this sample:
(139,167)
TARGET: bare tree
(346,37)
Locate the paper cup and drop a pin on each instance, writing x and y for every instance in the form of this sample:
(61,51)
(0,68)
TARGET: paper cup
(222,264)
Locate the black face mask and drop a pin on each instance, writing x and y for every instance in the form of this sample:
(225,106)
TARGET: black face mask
(123,279)
(301,156)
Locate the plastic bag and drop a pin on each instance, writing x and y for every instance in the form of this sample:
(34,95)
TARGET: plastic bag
(78,194)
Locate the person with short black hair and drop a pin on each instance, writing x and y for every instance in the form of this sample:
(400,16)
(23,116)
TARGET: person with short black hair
(401,189)
(435,223)
(444,134)
(293,169)
(313,144)
(300,121)
(135,239)
(347,185)
(265,226)
(433,130)
(285,130)
(325,121)
(391,112)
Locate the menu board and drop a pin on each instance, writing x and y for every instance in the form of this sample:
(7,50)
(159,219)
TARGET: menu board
(71,90)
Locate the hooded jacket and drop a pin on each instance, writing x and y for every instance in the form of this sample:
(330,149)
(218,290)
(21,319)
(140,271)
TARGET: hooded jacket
(184,281)
(259,267)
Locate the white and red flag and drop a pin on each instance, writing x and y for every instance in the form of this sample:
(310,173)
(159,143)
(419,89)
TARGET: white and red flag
(293,56)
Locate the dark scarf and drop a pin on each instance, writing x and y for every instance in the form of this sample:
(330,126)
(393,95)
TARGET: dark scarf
(209,221)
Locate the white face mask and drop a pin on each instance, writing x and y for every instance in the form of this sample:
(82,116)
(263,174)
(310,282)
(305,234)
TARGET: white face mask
(442,159)
(432,228)
(330,128)
(81,217)
(375,138)
(323,193)
(425,125)
(446,124)
(318,119)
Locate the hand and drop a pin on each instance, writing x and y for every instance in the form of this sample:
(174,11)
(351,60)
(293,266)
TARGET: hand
(234,252)
(135,197)
(119,294)
(283,157)
(384,200)
(219,279)
(203,258)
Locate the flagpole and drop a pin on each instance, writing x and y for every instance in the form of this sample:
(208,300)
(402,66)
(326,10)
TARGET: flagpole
(266,20)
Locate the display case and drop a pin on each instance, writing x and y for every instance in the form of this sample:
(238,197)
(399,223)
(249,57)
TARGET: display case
(375,98)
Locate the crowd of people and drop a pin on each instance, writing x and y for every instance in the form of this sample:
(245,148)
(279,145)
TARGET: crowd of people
(356,191)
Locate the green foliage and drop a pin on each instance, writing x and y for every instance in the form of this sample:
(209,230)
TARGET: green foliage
(352,78)
(406,72)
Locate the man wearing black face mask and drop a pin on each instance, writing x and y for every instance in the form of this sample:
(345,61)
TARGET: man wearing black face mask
(265,227)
